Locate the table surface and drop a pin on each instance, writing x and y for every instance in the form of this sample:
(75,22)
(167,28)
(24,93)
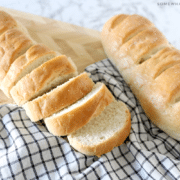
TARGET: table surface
(94,13)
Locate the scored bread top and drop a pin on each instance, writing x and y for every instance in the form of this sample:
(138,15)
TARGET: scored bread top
(140,47)
(161,61)
(122,27)
(6,22)
(77,115)
(133,39)
(13,43)
(34,57)
(59,98)
(151,66)
(43,78)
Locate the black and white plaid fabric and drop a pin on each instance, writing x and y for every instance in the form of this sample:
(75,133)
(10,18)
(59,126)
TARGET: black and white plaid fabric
(29,151)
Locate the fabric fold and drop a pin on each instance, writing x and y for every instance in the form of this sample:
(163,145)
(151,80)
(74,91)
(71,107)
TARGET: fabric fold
(29,151)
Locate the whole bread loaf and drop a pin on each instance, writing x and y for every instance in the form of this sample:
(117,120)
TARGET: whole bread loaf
(149,64)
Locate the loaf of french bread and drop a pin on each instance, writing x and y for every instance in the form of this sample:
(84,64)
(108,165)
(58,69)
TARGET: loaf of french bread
(149,64)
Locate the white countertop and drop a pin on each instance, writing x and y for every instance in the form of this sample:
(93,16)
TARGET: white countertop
(94,13)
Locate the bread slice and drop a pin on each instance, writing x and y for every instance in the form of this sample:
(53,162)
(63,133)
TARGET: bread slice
(13,43)
(34,57)
(77,115)
(104,132)
(59,98)
(45,77)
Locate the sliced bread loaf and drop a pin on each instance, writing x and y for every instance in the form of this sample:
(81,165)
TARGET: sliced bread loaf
(104,132)
(34,57)
(13,43)
(45,77)
(77,115)
(59,98)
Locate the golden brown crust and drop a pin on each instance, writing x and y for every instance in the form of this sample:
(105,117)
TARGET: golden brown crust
(161,61)
(127,25)
(59,98)
(110,26)
(71,121)
(37,51)
(165,116)
(33,82)
(106,146)
(139,47)
(13,43)
(169,83)
(155,79)
(6,22)
(22,63)
(132,40)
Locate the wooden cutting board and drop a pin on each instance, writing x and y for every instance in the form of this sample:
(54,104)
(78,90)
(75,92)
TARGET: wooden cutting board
(81,44)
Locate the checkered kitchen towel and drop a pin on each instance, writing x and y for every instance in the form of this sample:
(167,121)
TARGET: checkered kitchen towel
(29,151)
